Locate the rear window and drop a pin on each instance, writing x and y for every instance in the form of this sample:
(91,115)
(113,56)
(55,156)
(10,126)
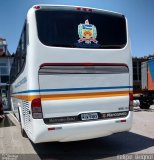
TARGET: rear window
(79,29)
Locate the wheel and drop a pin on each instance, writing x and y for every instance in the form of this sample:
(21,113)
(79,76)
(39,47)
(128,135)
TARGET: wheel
(23,133)
(147,106)
(19,116)
(144,105)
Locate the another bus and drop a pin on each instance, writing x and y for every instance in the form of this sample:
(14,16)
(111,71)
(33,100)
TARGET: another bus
(71,78)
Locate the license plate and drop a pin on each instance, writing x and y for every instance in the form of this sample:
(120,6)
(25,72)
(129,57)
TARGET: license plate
(89,116)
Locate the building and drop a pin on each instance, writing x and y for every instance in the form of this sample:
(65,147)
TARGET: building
(5,65)
(3,47)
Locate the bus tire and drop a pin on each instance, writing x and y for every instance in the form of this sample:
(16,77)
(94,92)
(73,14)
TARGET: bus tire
(19,116)
(144,105)
(147,106)
(23,133)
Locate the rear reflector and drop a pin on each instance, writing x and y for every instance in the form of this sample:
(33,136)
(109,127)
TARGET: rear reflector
(51,129)
(54,128)
(123,120)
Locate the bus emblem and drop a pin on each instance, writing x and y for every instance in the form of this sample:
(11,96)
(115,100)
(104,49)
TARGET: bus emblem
(87,33)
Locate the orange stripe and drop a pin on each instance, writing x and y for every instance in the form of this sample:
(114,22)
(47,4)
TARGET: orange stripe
(73,95)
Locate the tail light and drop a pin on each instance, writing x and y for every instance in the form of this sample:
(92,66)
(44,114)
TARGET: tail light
(36,108)
(84,9)
(131,101)
(37,7)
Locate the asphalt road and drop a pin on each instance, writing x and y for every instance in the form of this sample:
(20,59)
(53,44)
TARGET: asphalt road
(139,141)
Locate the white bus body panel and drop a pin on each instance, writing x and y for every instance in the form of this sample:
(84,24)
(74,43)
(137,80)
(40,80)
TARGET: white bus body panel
(69,107)
(78,131)
(36,129)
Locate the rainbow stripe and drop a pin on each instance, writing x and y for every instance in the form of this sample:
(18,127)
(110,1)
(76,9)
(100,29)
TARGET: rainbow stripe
(26,95)
(46,97)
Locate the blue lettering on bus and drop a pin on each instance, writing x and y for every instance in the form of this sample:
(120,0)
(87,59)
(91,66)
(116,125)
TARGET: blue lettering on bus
(24,80)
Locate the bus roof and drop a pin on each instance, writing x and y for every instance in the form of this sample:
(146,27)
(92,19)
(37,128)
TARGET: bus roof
(71,7)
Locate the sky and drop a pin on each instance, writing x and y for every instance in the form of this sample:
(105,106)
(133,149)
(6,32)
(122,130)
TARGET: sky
(139,13)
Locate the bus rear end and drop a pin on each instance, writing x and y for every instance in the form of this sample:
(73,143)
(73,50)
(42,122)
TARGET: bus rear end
(84,75)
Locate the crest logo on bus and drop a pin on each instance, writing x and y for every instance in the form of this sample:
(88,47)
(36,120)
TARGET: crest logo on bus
(87,33)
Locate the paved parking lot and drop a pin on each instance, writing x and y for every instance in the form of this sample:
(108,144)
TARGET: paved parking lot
(140,140)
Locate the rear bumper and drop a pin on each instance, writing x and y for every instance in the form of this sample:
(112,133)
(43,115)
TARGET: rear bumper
(79,131)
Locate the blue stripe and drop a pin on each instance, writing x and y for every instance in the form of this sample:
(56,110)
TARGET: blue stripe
(74,89)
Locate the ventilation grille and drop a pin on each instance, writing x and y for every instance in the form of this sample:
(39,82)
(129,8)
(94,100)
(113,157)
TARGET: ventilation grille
(27,117)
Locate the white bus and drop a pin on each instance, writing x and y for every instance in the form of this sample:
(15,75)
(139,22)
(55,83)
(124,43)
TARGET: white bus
(72,74)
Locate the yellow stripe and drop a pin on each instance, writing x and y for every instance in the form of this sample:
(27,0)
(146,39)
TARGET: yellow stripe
(73,95)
